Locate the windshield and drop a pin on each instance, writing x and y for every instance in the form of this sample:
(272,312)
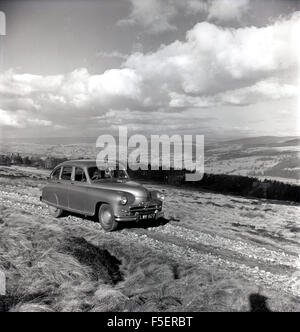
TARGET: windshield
(109,173)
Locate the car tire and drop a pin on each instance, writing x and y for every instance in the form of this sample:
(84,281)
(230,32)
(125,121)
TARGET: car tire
(55,212)
(106,218)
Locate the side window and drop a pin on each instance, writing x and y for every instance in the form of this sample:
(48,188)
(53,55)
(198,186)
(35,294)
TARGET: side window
(95,174)
(80,175)
(55,174)
(66,173)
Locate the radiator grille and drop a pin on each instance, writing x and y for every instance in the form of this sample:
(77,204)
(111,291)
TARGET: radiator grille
(143,209)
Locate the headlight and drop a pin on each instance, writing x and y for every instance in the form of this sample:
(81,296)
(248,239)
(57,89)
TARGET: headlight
(161,196)
(124,200)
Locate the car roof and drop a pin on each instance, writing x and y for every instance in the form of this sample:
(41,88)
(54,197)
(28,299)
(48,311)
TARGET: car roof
(82,163)
(79,163)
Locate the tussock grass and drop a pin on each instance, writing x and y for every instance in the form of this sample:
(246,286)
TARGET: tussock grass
(31,308)
(103,265)
(55,266)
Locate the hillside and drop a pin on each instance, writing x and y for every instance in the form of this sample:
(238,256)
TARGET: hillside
(211,253)
(275,158)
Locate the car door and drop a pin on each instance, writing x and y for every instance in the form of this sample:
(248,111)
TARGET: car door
(51,192)
(64,188)
(78,191)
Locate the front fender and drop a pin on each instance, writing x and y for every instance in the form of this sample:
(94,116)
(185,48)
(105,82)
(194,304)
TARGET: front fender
(106,196)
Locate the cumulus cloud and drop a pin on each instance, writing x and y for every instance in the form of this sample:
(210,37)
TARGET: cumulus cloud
(21,119)
(158,16)
(264,90)
(270,89)
(77,84)
(79,88)
(23,85)
(55,96)
(214,59)
(9,120)
(227,10)
(213,66)
(155,15)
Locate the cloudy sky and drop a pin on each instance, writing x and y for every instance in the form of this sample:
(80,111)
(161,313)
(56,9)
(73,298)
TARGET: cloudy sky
(222,68)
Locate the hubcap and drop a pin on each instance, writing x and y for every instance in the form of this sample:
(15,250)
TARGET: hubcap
(106,217)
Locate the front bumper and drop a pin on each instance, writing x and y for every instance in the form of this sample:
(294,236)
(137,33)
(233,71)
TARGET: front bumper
(137,217)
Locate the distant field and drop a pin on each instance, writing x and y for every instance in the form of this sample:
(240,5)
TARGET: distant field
(209,254)
(274,158)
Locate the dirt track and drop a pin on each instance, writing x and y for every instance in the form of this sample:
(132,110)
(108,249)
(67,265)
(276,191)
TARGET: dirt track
(251,239)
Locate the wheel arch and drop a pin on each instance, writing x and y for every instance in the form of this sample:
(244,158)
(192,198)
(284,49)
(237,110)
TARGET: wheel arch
(98,205)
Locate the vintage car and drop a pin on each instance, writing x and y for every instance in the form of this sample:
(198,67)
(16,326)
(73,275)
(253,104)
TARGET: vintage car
(106,192)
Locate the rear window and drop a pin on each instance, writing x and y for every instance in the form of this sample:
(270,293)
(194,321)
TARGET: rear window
(55,174)
(66,173)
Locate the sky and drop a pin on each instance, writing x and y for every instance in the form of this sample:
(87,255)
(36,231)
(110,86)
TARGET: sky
(220,68)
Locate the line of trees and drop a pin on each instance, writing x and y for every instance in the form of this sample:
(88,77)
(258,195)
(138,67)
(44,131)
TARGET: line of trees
(222,183)
(33,161)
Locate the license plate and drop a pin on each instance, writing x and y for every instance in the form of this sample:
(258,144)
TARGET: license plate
(147,216)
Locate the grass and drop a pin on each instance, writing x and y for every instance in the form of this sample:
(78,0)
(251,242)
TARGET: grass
(51,266)
(104,266)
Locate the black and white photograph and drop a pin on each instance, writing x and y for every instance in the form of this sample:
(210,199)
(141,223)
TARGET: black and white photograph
(149,158)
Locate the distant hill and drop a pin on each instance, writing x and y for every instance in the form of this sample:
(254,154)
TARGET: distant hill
(265,140)
(295,141)
(271,156)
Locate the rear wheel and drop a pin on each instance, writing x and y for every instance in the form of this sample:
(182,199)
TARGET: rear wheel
(106,218)
(55,212)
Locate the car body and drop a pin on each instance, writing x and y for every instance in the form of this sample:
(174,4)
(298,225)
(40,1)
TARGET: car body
(81,187)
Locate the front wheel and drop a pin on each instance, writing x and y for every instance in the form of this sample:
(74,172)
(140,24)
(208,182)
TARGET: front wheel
(106,218)
(55,212)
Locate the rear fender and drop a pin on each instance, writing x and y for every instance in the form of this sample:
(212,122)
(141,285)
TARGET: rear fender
(50,197)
